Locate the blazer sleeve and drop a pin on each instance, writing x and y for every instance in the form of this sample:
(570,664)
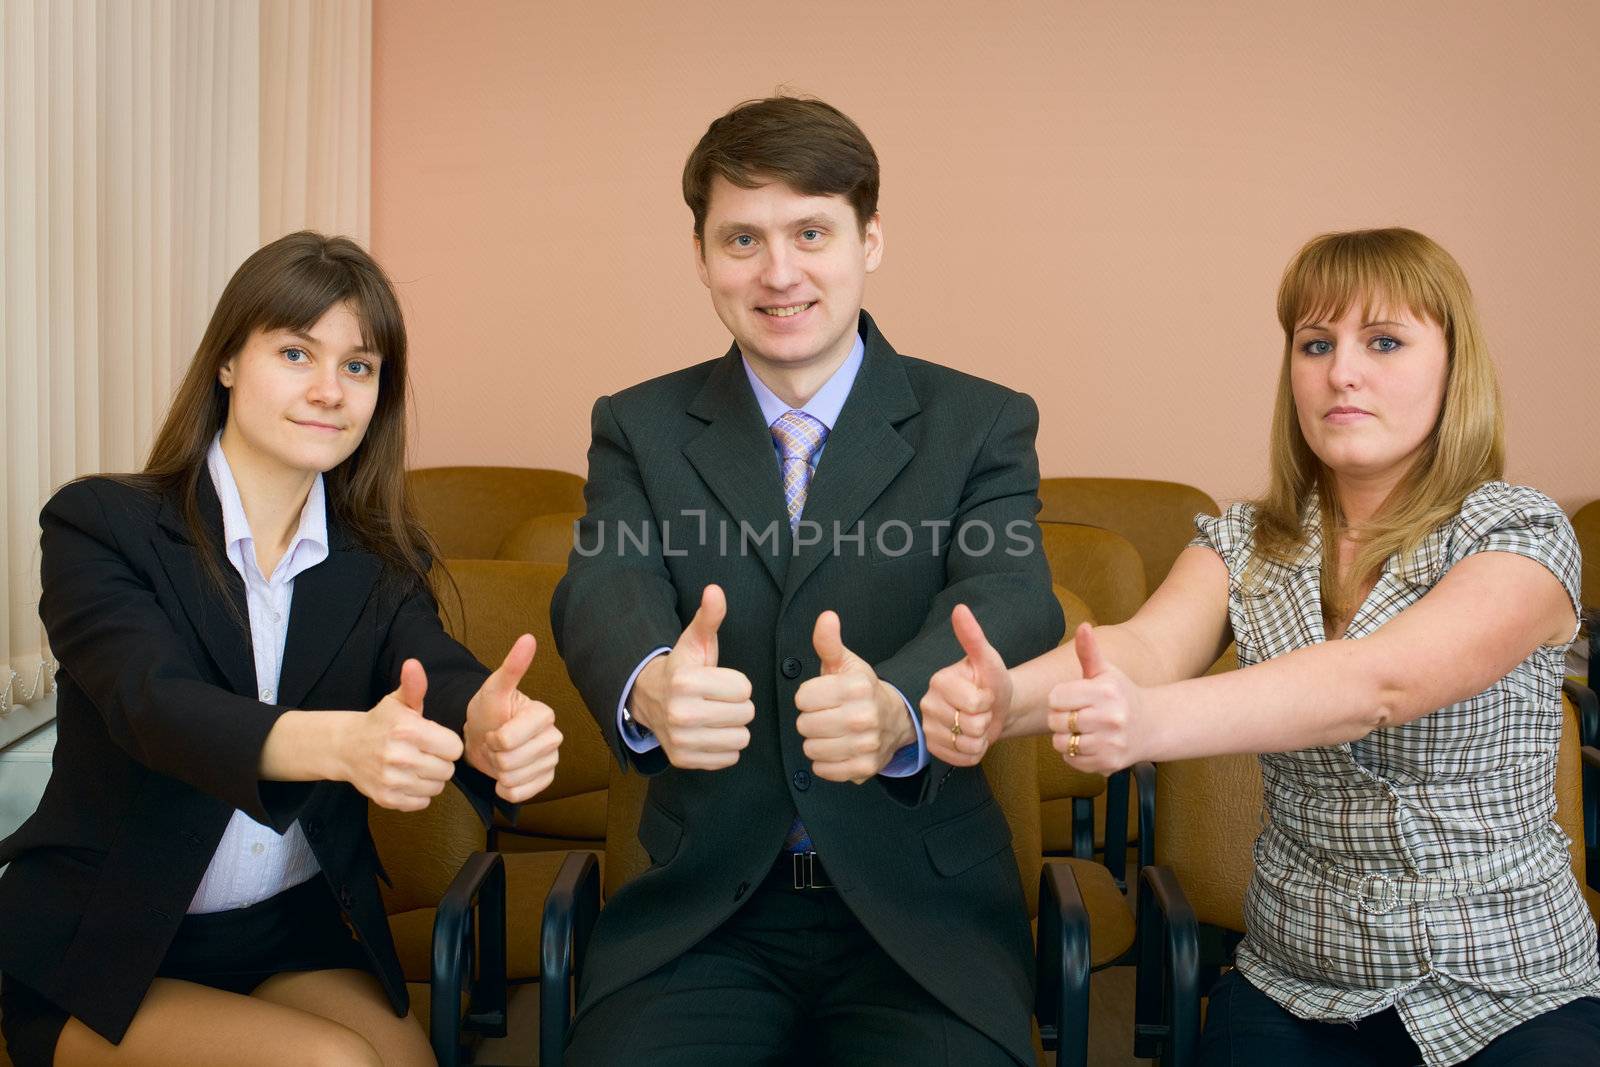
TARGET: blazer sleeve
(117,643)
(614,607)
(454,678)
(1006,584)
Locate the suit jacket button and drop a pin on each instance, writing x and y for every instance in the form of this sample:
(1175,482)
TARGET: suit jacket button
(802,779)
(744,887)
(791,668)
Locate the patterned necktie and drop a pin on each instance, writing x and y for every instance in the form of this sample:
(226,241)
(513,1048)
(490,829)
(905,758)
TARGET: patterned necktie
(799,438)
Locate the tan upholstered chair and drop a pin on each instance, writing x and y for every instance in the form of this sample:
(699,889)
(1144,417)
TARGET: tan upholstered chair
(1158,517)
(1586,521)
(541,538)
(1206,824)
(499,600)
(469,510)
(1100,566)
(1104,572)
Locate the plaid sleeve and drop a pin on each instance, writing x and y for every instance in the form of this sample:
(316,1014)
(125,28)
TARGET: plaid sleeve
(1497,517)
(1227,535)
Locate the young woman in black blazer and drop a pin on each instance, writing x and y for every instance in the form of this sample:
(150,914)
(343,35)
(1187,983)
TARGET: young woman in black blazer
(198,884)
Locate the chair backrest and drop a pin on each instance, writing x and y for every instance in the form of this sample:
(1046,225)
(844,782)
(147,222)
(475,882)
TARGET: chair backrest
(469,510)
(541,539)
(1586,522)
(1058,783)
(1101,566)
(499,600)
(1569,797)
(1158,517)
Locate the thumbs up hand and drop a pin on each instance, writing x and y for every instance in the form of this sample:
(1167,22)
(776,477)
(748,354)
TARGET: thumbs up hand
(699,711)
(1094,721)
(510,737)
(965,707)
(852,721)
(393,755)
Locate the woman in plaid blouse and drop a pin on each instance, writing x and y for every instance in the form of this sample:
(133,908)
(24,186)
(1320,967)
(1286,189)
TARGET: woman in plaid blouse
(1412,899)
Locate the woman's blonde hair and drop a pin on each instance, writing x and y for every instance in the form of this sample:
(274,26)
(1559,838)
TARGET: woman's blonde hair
(1394,269)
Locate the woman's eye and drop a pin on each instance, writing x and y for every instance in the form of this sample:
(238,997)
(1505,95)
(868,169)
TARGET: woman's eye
(1385,343)
(296,355)
(1318,347)
(358,367)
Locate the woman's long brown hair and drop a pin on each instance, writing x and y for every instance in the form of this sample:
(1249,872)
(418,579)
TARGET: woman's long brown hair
(289,284)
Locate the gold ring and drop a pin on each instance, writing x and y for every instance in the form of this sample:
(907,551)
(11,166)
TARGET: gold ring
(955,728)
(1072,746)
(1072,721)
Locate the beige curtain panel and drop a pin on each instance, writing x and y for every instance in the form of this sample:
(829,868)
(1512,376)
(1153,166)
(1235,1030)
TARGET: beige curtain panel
(150,146)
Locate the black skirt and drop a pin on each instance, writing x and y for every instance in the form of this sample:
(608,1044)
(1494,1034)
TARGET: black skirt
(300,929)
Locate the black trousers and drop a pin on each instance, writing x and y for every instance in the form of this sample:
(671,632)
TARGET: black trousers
(1245,1027)
(792,977)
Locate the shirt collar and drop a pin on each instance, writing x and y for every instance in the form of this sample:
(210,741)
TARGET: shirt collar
(309,545)
(827,402)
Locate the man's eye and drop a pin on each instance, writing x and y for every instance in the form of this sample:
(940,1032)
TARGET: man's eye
(811,235)
(744,240)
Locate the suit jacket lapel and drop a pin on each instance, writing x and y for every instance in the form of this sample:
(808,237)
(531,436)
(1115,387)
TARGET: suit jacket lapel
(735,457)
(222,621)
(863,454)
(328,599)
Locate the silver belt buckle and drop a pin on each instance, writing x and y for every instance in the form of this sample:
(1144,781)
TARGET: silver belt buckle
(805,872)
(1378,894)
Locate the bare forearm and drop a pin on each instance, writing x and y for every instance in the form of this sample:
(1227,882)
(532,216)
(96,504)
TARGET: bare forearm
(306,746)
(1324,695)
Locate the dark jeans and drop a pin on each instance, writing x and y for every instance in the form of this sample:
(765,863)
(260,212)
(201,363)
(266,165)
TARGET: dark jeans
(1245,1028)
(791,978)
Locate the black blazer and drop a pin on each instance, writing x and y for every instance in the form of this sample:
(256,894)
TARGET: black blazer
(923,862)
(160,735)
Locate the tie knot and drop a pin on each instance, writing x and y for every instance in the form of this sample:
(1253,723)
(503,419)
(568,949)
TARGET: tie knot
(799,435)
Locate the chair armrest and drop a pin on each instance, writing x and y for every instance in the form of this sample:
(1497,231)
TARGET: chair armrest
(1167,994)
(1144,780)
(570,911)
(1116,855)
(1062,982)
(479,888)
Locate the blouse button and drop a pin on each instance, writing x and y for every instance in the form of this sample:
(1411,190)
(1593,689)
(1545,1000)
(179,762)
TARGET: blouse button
(257,849)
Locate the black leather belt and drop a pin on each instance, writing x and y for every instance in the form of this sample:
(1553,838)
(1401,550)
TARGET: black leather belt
(801,870)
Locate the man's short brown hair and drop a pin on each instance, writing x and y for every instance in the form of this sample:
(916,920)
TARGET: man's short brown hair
(810,146)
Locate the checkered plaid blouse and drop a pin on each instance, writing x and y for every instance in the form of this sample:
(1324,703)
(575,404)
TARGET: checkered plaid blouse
(1419,867)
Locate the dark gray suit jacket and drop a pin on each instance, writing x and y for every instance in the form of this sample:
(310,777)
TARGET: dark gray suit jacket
(685,464)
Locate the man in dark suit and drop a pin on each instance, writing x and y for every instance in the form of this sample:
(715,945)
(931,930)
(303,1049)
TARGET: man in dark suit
(759,593)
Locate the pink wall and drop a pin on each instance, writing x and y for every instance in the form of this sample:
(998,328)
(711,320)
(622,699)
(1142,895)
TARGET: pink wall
(1088,201)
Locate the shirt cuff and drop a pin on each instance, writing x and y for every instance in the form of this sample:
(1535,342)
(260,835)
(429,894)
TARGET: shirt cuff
(636,737)
(913,757)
